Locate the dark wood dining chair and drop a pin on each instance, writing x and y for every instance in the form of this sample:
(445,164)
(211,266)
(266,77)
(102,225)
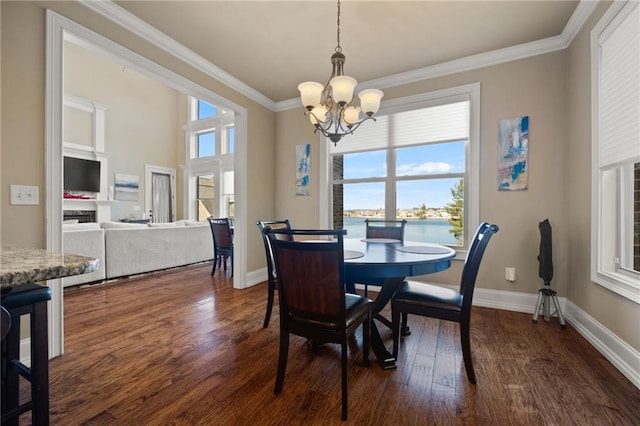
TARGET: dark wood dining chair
(313,301)
(272,276)
(222,243)
(380,228)
(435,301)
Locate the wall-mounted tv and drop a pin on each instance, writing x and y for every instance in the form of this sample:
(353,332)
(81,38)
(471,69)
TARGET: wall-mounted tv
(81,175)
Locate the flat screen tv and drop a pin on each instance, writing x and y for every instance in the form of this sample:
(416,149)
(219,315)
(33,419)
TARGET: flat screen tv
(81,175)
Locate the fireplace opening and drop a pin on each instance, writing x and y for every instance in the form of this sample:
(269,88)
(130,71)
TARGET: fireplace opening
(82,216)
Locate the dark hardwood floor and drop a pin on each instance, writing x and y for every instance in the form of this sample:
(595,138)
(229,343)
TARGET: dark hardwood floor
(185,348)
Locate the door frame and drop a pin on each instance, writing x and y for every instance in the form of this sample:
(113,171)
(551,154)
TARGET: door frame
(59,28)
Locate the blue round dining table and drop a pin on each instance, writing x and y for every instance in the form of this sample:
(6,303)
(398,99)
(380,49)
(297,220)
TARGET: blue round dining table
(387,263)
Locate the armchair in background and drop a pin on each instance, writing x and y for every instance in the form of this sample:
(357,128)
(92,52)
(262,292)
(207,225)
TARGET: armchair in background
(222,243)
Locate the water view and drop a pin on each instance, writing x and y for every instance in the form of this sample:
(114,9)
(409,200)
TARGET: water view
(425,230)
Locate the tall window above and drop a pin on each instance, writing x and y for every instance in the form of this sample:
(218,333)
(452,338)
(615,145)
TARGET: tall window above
(615,215)
(417,162)
(206,144)
(209,145)
(211,130)
(205,197)
(206,110)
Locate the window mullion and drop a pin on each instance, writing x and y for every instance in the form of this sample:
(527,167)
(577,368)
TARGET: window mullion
(390,205)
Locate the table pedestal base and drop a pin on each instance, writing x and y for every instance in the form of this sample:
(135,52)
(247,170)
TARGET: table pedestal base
(386,360)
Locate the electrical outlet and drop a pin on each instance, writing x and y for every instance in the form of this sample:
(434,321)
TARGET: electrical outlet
(25,195)
(510,274)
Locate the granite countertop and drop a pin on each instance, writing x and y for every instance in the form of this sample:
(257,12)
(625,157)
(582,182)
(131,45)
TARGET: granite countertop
(21,265)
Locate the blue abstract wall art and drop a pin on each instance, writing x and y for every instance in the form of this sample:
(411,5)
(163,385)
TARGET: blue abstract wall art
(513,152)
(303,158)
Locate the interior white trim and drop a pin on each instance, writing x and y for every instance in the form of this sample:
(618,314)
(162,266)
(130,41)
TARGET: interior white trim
(130,22)
(53,175)
(137,26)
(626,285)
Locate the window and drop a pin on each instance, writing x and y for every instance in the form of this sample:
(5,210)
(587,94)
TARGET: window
(417,162)
(206,144)
(615,216)
(206,110)
(230,139)
(205,200)
(210,139)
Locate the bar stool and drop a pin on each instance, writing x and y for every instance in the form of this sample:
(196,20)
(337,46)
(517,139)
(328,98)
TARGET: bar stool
(26,299)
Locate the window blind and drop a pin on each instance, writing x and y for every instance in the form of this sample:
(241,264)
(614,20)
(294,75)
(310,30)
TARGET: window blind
(619,94)
(447,122)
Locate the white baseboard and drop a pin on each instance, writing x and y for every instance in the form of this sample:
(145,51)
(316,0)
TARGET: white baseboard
(625,358)
(256,277)
(617,351)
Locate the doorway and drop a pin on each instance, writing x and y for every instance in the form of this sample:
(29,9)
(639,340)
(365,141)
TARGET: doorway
(60,29)
(160,200)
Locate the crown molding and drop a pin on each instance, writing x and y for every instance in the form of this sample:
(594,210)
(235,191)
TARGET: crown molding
(584,9)
(130,22)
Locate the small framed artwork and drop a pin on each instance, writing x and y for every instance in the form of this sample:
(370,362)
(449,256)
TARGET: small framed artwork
(303,156)
(513,153)
(127,187)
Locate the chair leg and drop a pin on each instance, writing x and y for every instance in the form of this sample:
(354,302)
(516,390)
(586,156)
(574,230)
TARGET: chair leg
(270,297)
(39,364)
(216,259)
(282,361)
(366,328)
(10,376)
(466,351)
(395,328)
(344,381)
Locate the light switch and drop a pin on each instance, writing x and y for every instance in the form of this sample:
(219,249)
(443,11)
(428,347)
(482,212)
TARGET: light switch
(25,195)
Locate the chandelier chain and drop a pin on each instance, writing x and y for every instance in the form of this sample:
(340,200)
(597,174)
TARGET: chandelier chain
(338,48)
(331,107)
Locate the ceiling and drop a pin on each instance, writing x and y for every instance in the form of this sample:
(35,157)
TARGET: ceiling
(272,46)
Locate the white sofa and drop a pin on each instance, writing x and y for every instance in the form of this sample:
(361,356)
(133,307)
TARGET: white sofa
(129,249)
(85,239)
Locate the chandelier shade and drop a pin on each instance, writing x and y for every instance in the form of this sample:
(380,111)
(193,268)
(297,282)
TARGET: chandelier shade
(330,107)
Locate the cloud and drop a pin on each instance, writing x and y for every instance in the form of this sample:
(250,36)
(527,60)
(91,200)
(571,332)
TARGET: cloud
(424,168)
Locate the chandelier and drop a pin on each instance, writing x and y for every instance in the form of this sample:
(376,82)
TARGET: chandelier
(331,108)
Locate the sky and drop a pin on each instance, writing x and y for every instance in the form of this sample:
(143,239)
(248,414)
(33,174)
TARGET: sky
(426,160)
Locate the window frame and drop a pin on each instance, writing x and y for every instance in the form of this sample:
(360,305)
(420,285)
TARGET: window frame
(469,92)
(611,208)
(222,161)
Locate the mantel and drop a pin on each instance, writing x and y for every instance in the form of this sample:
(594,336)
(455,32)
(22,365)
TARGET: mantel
(79,201)
(101,207)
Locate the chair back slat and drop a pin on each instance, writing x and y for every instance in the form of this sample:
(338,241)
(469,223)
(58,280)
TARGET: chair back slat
(393,229)
(472,263)
(310,274)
